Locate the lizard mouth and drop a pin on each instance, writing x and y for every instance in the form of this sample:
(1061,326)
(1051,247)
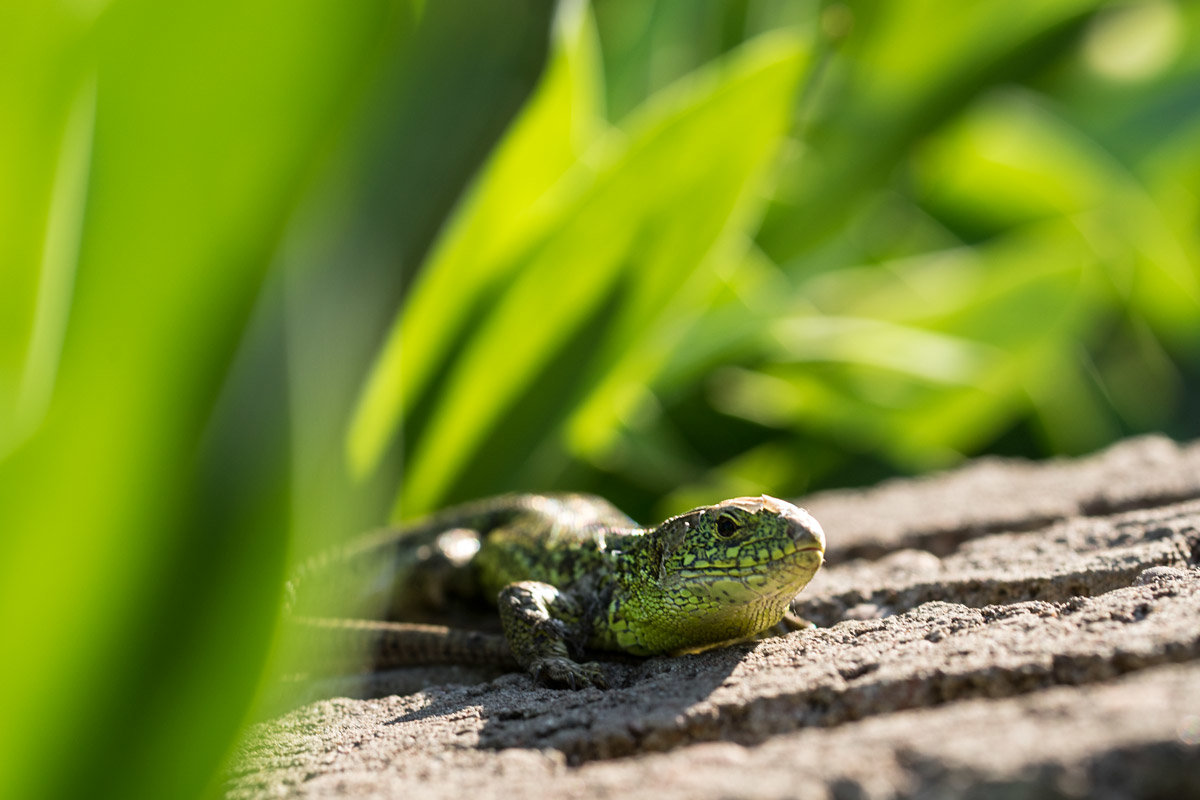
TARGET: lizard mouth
(798,560)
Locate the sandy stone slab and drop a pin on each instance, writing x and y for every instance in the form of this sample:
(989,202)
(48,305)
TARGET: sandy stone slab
(1006,630)
(1081,556)
(987,495)
(935,655)
(1137,736)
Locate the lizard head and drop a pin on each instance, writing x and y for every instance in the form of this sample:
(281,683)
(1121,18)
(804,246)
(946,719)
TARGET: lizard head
(727,571)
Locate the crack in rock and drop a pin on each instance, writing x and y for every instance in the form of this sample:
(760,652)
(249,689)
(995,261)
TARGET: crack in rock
(939,513)
(1080,557)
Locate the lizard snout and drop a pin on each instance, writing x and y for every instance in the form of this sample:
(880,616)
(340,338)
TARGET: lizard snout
(806,531)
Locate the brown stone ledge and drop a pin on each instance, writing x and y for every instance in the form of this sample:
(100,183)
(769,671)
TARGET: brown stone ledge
(1007,629)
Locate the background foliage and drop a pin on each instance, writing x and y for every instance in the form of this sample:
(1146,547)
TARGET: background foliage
(268,271)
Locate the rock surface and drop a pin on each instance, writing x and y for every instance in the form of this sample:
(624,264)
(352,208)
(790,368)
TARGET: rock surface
(1008,629)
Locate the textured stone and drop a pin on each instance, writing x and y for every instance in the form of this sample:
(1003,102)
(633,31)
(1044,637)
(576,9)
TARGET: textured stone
(1006,630)
(987,495)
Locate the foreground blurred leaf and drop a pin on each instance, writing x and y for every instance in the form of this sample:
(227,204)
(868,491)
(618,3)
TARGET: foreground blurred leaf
(45,155)
(178,134)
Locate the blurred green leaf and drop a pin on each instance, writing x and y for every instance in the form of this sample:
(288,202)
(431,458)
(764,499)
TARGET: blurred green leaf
(171,183)
(508,206)
(638,216)
(1013,159)
(45,153)
(892,82)
(699,233)
(427,118)
(938,353)
(1010,157)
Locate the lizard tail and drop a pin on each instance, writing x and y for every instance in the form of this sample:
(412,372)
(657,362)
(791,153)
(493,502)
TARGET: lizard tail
(361,576)
(345,645)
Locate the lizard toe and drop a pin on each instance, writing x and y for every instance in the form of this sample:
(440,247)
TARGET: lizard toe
(556,671)
(595,675)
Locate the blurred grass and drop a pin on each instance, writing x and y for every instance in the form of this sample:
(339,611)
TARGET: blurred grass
(268,271)
(636,213)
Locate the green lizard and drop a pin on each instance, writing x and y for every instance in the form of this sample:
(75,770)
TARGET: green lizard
(571,572)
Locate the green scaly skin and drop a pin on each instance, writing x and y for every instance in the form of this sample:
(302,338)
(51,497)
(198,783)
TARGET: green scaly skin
(570,573)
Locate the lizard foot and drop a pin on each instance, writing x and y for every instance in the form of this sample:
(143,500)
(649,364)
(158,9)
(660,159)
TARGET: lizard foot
(558,671)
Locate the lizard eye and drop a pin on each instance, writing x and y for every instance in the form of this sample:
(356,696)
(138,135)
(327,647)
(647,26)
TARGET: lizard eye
(726,526)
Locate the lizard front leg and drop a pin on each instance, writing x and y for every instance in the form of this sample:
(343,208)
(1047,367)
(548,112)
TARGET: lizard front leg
(538,621)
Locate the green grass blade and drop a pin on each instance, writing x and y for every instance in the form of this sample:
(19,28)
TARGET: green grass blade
(505,208)
(564,277)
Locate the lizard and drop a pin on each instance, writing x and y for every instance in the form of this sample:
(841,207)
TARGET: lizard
(570,573)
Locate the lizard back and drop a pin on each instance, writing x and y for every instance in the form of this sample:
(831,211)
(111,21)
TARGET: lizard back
(402,571)
(556,539)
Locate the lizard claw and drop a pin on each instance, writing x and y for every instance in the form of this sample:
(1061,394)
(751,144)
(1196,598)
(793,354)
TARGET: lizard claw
(556,671)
